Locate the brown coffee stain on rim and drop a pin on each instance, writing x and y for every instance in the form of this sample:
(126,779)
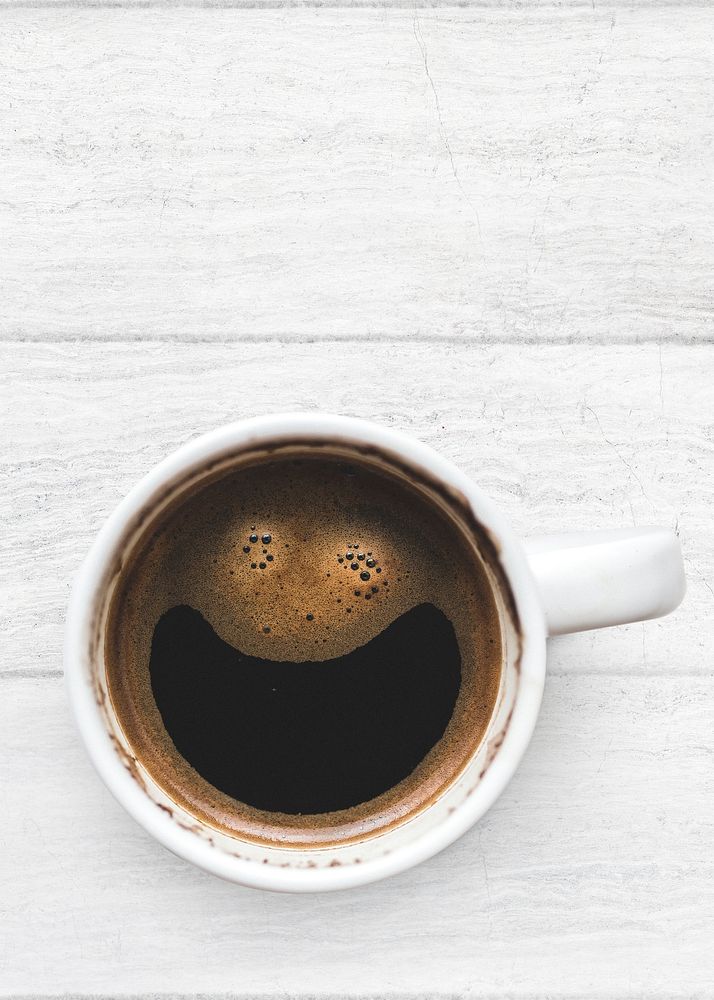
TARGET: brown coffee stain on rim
(130,762)
(173,492)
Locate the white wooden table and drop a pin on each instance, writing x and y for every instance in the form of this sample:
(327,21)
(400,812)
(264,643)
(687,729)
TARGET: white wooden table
(488,225)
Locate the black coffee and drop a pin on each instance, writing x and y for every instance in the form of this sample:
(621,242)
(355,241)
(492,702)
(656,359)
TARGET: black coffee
(296,737)
(306,649)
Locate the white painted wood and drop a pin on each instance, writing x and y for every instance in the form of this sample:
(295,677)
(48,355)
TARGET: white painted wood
(536,174)
(562,438)
(439,198)
(500,6)
(592,876)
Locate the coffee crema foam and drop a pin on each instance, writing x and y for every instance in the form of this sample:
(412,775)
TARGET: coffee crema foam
(303,559)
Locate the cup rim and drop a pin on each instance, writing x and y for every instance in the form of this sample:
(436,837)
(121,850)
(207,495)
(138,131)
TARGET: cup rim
(88,714)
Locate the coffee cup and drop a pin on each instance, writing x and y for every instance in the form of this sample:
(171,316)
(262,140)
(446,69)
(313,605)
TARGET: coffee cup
(541,586)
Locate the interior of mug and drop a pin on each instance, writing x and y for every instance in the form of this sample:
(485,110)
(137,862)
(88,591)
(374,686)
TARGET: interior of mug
(371,841)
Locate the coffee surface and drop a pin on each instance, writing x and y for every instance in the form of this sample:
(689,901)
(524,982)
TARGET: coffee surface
(304,651)
(307,737)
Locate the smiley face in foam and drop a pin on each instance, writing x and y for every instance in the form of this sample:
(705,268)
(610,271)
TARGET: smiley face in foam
(300,563)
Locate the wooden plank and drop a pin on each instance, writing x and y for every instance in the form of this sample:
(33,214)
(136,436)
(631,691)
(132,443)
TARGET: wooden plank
(502,6)
(591,877)
(561,437)
(504,173)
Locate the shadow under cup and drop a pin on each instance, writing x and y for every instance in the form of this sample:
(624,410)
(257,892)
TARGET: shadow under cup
(451,769)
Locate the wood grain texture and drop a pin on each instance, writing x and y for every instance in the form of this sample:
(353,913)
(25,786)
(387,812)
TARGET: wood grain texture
(560,438)
(504,6)
(431,218)
(592,876)
(532,175)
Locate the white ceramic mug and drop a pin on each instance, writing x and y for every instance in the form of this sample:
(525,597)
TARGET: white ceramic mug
(544,586)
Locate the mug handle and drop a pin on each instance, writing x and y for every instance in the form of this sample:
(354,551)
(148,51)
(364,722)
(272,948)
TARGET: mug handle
(591,579)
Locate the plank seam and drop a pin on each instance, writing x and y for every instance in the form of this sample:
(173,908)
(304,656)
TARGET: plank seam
(282,995)
(486,5)
(681,340)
